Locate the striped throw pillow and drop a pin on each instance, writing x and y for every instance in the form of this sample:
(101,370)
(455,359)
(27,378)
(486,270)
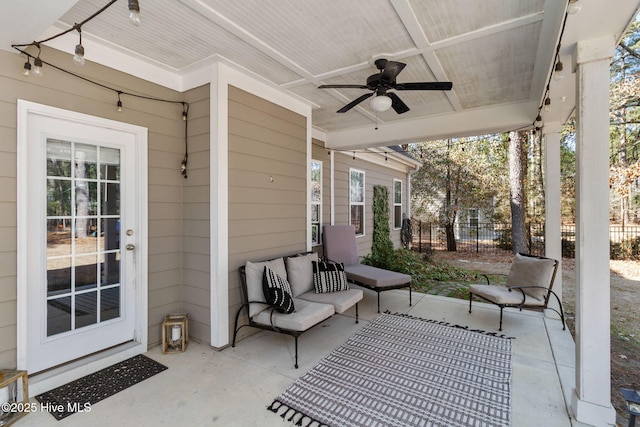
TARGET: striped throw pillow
(329,276)
(277,291)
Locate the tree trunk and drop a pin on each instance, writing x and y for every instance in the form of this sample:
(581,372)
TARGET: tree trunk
(450,216)
(517,166)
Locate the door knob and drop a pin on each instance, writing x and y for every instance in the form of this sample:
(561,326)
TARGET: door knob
(130,247)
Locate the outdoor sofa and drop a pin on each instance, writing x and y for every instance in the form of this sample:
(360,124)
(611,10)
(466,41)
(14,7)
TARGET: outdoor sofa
(311,307)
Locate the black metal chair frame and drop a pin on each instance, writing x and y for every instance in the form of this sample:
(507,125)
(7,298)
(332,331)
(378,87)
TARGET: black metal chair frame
(522,304)
(245,297)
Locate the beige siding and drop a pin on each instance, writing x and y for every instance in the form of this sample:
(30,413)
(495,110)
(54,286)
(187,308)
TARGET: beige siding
(374,175)
(196,294)
(165,182)
(267,184)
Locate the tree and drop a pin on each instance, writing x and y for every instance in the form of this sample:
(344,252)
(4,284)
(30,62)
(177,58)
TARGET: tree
(457,174)
(517,173)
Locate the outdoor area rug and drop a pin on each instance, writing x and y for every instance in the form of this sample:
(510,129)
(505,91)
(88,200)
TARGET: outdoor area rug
(406,371)
(80,394)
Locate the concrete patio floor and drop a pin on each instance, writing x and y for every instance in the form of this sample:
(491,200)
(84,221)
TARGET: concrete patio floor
(234,386)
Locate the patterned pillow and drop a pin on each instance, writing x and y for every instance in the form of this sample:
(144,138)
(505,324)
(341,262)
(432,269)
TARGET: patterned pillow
(329,276)
(277,291)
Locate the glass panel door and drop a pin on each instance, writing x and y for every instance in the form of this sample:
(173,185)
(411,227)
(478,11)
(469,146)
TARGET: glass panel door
(83,235)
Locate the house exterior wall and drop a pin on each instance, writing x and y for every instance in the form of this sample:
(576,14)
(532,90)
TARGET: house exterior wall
(375,174)
(322,154)
(267,185)
(166,144)
(196,291)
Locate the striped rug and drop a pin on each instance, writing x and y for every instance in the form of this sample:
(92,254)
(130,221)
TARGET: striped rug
(405,371)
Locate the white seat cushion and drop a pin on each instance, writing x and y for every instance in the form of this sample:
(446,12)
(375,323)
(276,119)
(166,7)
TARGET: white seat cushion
(376,277)
(502,295)
(341,300)
(306,315)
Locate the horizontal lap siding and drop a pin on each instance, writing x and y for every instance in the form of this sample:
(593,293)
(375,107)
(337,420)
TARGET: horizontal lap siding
(166,146)
(374,175)
(267,184)
(196,258)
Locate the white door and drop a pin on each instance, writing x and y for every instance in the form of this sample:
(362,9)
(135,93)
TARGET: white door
(82,237)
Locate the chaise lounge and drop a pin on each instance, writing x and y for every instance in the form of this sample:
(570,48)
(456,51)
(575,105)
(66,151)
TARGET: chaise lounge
(340,246)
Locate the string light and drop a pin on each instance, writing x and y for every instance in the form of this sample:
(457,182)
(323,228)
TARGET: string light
(27,67)
(78,57)
(134,13)
(119,104)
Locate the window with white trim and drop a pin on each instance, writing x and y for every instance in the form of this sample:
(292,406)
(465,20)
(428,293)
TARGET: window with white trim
(316,202)
(473,217)
(356,200)
(397,204)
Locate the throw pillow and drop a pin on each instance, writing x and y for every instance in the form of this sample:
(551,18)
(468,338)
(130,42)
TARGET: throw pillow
(329,276)
(254,275)
(277,291)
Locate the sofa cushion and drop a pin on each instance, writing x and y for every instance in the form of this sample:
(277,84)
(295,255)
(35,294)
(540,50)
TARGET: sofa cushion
(376,277)
(307,314)
(300,273)
(329,276)
(341,300)
(502,295)
(277,291)
(254,272)
(531,271)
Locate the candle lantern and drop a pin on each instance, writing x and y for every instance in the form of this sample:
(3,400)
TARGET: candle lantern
(175,333)
(13,386)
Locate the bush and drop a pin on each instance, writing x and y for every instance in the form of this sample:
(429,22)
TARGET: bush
(628,249)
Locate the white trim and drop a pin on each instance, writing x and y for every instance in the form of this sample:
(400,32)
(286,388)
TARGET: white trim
(219,188)
(139,345)
(388,159)
(332,187)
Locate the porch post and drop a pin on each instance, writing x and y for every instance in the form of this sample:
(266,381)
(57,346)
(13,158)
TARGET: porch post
(591,400)
(553,215)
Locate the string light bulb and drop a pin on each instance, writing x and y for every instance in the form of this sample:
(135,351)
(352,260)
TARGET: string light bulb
(78,57)
(547,104)
(119,104)
(559,71)
(538,121)
(27,68)
(134,13)
(37,67)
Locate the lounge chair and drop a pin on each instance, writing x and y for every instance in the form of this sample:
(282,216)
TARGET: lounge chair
(340,246)
(529,284)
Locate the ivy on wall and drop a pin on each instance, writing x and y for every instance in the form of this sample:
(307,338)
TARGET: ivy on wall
(382,246)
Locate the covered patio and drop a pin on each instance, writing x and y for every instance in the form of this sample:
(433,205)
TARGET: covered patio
(250,71)
(234,387)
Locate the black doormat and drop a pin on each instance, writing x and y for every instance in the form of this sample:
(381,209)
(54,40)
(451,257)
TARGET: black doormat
(80,394)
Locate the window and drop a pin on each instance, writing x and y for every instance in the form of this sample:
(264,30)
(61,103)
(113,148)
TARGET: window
(397,203)
(356,200)
(473,217)
(316,201)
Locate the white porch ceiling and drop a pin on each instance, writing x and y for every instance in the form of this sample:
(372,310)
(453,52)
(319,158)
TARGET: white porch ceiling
(498,53)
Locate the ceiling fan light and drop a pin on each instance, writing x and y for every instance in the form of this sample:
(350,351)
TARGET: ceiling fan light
(574,7)
(380,103)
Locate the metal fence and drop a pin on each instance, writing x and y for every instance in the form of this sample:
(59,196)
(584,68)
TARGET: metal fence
(495,237)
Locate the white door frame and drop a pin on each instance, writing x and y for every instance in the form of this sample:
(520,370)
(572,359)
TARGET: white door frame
(61,375)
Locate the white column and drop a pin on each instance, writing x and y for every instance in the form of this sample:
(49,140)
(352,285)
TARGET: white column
(553,215)
(591,400)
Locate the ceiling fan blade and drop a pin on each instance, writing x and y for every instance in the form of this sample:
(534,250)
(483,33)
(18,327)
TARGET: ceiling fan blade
(391,70)
(424,86)
(342,87)
(355,102)
(397,104)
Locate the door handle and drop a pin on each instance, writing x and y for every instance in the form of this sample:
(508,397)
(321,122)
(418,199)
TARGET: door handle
(130,247)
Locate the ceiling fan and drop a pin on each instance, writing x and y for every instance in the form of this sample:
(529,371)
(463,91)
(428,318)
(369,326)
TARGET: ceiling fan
(381,82)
